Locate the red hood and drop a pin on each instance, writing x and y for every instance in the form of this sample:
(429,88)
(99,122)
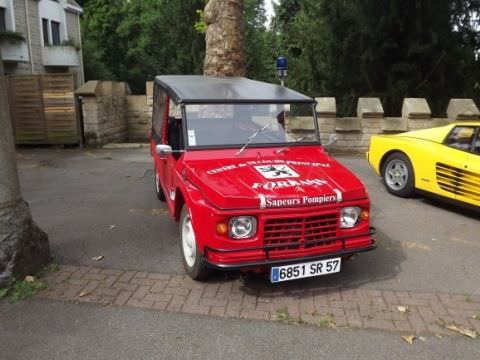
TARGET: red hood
(260,178)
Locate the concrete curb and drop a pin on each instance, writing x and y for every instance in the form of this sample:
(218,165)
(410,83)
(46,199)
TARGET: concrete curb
(114,146)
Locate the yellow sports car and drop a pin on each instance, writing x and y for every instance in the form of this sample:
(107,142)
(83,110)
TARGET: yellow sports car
(444,161)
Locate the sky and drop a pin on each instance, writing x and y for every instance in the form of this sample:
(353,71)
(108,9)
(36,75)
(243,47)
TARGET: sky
(269,9)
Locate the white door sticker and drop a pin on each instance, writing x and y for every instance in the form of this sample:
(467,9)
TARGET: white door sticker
(276,171)
(192,140)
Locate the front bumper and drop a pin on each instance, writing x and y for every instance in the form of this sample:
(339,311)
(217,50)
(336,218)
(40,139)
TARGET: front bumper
(268,262)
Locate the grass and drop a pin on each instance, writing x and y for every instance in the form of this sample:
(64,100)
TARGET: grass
(18,290)
(49,268)
(327,322)
(476,316)
(324,323)
(3,292)
(22,289)
(283,315)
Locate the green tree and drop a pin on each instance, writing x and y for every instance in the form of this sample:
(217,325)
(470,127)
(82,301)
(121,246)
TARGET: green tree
(135,40)
(347,49)
(259,43)
(391,49)
(100,39)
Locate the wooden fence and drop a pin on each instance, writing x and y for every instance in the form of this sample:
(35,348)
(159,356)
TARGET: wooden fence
(43,109)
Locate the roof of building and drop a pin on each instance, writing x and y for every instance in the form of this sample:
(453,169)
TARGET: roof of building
(195,89)
(74,3)
(73,6)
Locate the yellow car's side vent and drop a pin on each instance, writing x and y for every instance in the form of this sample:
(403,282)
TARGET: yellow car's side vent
(458,181)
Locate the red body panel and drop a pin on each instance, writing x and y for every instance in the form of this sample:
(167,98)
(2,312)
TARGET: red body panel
(296,200)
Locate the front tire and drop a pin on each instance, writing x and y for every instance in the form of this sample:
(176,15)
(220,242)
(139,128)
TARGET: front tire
(398,175)
(191,256)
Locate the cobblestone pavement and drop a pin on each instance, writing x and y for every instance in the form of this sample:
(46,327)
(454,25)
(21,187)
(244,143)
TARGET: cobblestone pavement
(254,298)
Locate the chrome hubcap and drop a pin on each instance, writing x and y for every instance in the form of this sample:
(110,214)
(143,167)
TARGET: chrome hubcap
(396,175)
(189,243)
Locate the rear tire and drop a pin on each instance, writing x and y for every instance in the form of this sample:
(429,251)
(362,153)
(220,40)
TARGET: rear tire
(398,175)
(191,256)
(158,186)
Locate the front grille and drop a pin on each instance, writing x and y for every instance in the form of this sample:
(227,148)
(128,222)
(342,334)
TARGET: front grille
(458,181)
(304,232)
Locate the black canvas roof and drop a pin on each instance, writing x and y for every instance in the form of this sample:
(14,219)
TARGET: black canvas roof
(196,89)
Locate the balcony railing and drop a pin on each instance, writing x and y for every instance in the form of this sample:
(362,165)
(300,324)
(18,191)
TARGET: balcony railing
(60,56)
(14,51)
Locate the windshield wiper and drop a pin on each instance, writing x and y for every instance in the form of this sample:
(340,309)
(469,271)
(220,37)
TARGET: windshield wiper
(252,137)
(279,151)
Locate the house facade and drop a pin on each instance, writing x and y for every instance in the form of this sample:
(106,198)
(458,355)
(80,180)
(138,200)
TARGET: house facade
(41,36)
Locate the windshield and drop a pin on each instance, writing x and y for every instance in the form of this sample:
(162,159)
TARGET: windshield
(257,124)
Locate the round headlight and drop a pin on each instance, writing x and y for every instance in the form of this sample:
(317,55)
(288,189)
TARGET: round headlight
(242,227)
(349,217)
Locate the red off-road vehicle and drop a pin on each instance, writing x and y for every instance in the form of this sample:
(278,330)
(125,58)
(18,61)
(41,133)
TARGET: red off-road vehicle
(240,165)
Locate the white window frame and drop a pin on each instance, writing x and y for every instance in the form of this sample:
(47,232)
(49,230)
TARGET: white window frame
(62,21)
(9,15)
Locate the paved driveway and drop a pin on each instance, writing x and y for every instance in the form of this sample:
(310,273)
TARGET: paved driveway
(99,202)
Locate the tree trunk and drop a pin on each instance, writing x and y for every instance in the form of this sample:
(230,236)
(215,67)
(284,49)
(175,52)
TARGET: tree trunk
(225,38)
(24,247)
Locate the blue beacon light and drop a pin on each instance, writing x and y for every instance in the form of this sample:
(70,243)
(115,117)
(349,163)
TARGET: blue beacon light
(281,65)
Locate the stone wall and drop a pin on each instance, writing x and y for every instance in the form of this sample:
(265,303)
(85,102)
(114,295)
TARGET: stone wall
(104,105)
(74,34)
(112,114)
(73,29)
(353,133)
(139,114)
(139,118)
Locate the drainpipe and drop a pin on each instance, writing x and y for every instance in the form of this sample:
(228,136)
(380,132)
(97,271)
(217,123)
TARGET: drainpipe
(29,37)
(82,74)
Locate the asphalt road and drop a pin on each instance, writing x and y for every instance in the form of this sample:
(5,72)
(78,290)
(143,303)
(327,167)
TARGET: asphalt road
(98,202)
(102,203)
(49,330)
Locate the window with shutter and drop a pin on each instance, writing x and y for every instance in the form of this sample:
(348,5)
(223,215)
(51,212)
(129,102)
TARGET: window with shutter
(55,33)
(3,20)
(46,38)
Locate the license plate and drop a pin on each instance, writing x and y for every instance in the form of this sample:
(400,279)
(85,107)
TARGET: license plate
(304,270)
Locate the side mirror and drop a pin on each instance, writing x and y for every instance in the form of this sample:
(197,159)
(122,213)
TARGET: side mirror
(163,149)
(332,139)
